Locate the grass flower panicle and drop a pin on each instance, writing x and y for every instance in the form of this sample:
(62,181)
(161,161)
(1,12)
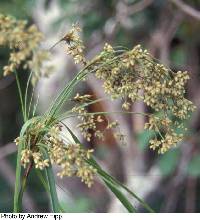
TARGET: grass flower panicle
(134,76)
(71,158)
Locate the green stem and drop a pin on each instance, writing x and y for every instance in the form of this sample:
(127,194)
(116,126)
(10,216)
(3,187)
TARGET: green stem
(24,181)
(52,187)
(62,116)
(43,181)
(26,96)
(20,96)
(65,116)
(114,181)
(120,196)
(17,202)
(46,186)
(18,194)
(56,105)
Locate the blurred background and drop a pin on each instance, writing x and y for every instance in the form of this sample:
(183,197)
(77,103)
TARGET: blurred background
(169,29)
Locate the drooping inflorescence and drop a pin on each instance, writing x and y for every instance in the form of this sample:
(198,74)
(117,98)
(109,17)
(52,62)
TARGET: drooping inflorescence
(134,75)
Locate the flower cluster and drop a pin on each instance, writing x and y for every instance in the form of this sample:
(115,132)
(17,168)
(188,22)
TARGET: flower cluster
(168,136)
(89,121)
(23,42)
(70,157)
(135,75)
(82,98)
(75,45)
(37,157)
(31,153)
